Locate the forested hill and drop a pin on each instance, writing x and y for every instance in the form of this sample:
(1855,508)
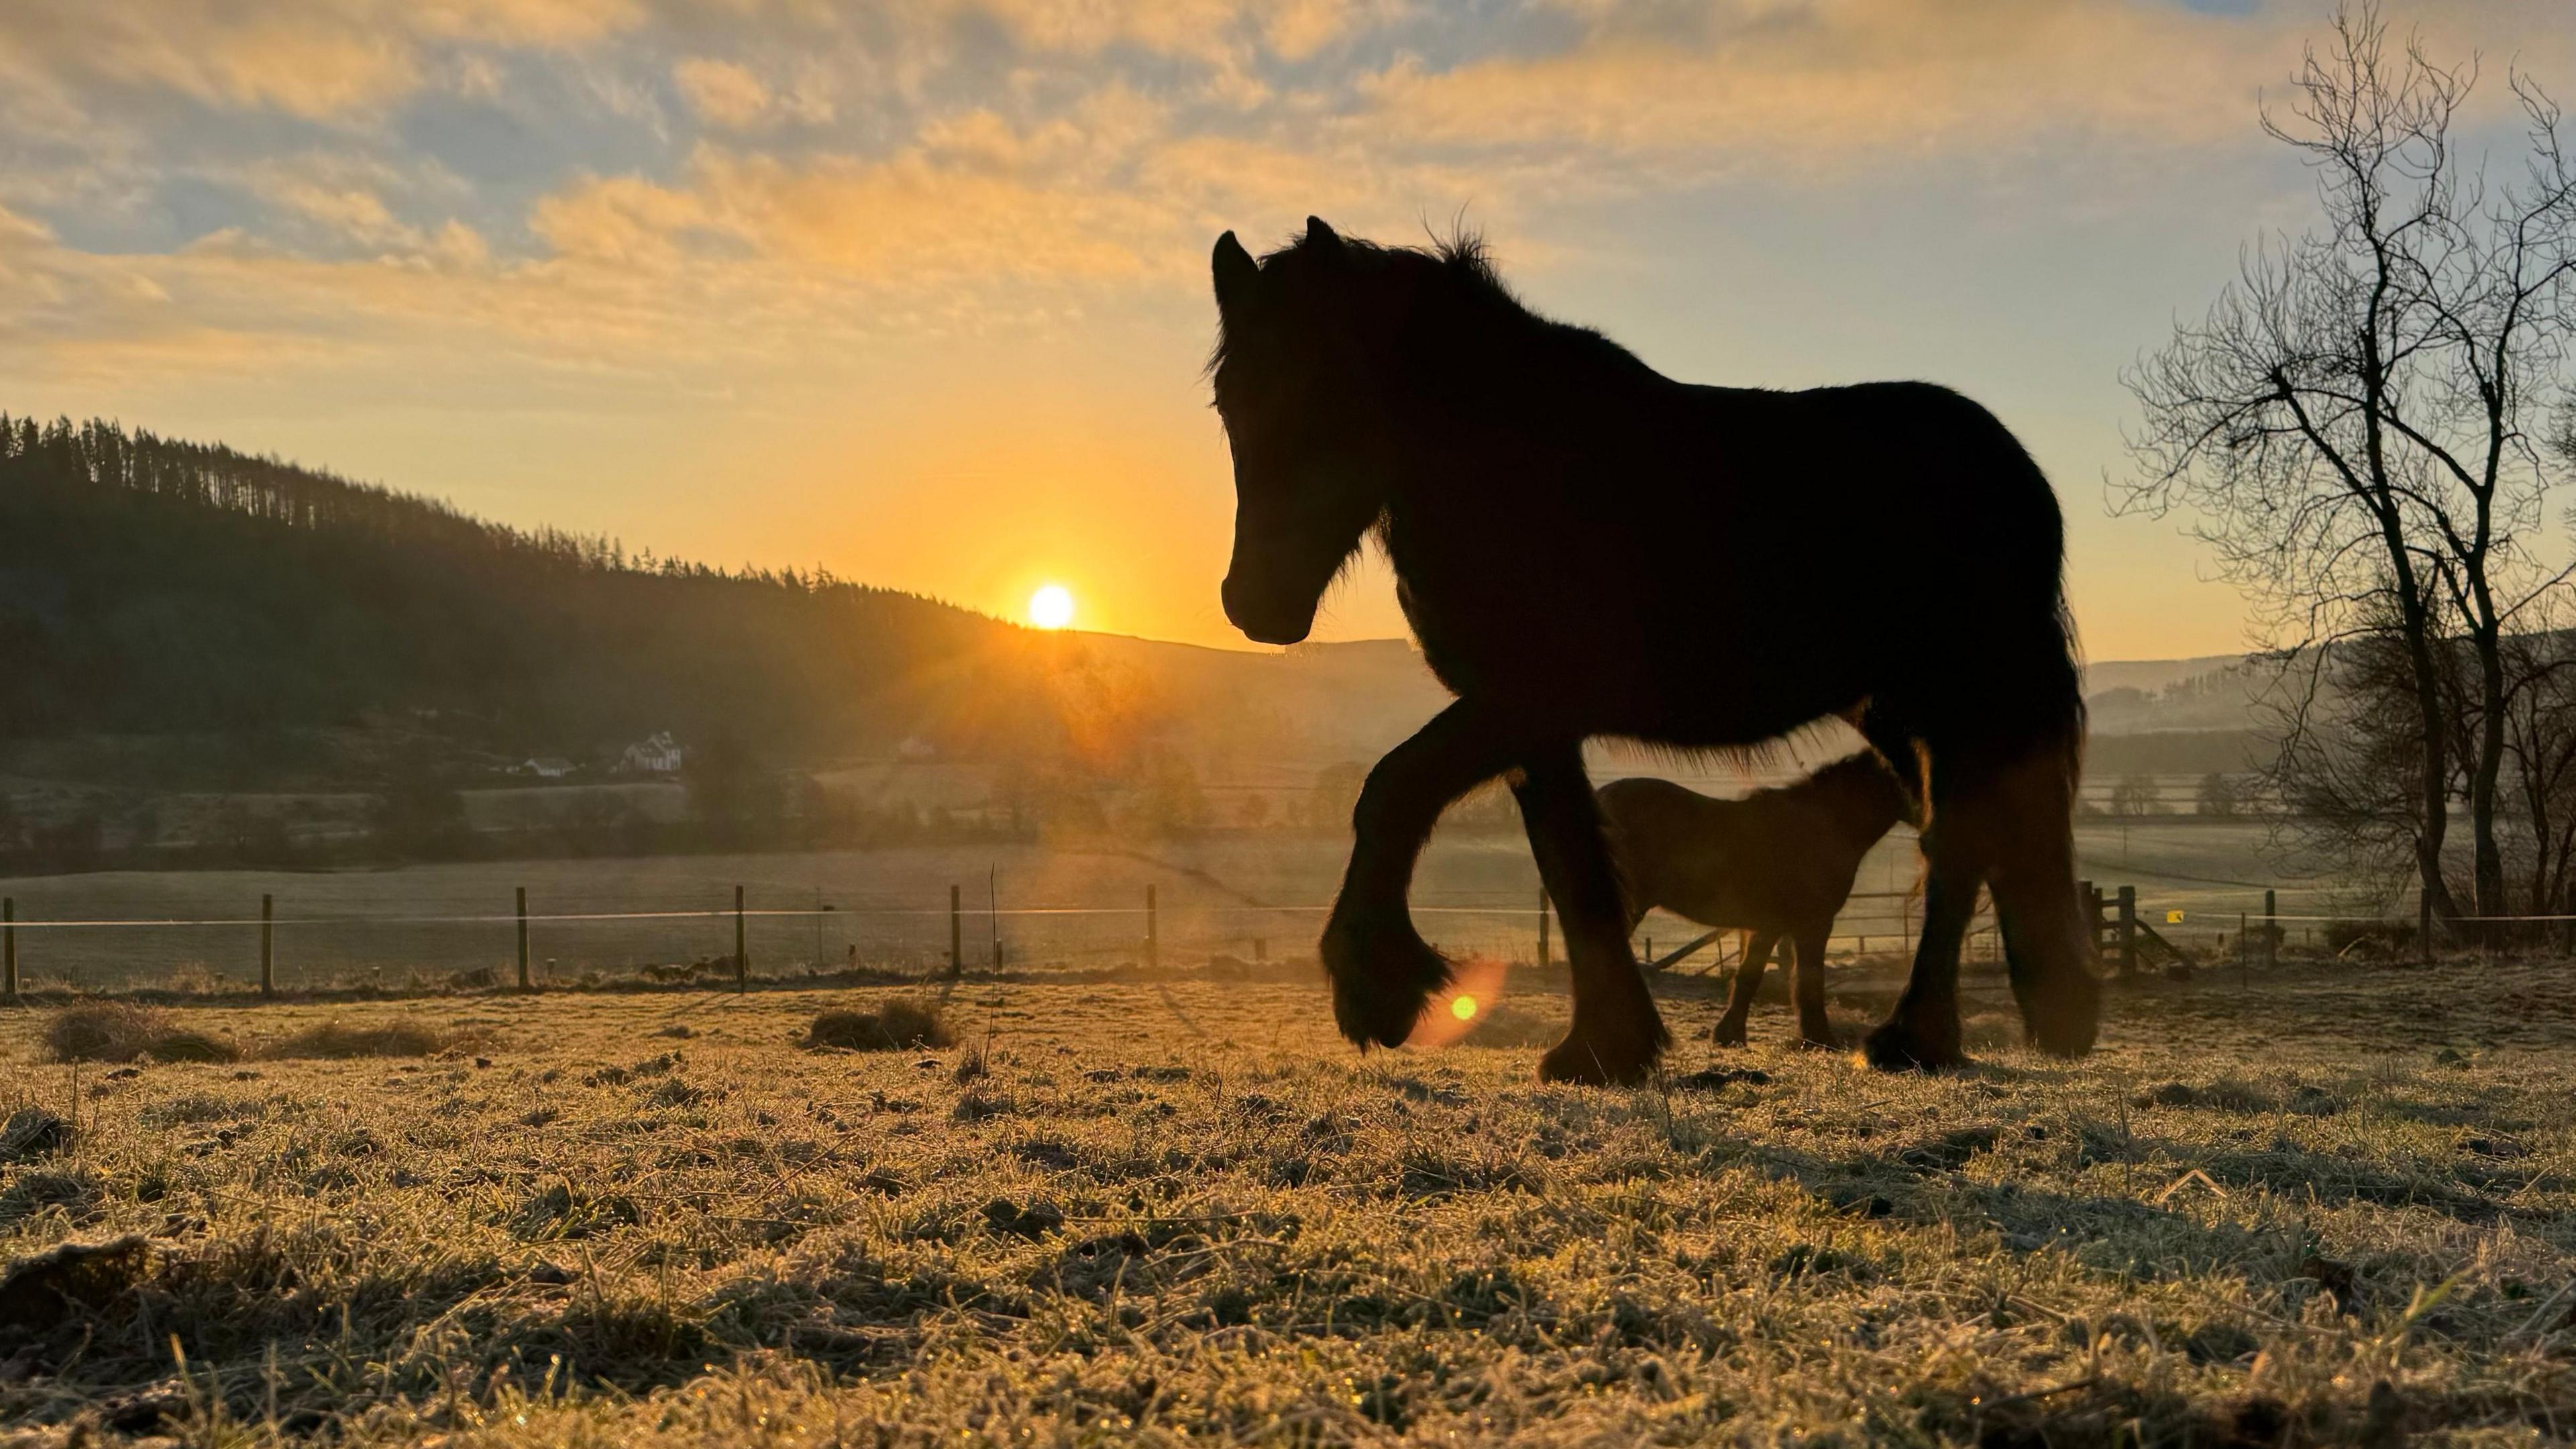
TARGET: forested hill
(150,586)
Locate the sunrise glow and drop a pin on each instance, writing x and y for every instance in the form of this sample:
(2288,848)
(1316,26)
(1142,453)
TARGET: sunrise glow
(1051,607)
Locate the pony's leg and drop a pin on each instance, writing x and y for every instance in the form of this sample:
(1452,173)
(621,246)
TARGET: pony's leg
(1616,1035)
(1381,969)
(1923,1031)
(2047,946)
(1748,980)
(1814,1027)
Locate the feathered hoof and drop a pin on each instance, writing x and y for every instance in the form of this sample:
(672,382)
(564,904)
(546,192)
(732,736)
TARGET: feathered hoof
(1383,974)
(1902,1045)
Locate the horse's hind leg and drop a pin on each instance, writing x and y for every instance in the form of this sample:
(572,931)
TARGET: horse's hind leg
(1616,1035)
(1381,970)
(1748,981)
(2047,944)
(1814,1027)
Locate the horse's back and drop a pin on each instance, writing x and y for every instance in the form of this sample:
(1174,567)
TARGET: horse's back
(1720,862)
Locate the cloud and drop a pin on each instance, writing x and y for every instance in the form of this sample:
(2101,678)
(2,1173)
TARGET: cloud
(1847,84)
(314,59)
(722,93)
(863,173)
(354,212)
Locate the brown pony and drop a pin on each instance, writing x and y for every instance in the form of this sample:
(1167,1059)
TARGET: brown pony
(1776,863)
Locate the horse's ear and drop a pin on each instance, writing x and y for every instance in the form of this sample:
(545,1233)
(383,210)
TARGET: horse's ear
(1320,237)
(1236,273)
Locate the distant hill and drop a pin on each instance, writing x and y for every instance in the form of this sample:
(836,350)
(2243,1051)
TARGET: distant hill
(157,587)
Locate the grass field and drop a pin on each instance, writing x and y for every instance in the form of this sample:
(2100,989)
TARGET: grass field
(2337,1208)
(1478,891)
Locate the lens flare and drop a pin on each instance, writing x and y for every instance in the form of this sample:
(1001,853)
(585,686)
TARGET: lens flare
(1475,987)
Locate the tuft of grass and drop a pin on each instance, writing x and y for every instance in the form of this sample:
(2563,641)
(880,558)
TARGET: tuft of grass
(33,1132)
(337,1041)
(898,1025)
(123,1032)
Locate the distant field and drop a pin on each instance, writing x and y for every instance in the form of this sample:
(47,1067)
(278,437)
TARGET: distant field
(1477,892)
(2340,1209)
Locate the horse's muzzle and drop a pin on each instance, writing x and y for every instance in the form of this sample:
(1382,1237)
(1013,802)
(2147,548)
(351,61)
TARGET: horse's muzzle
(1261,621)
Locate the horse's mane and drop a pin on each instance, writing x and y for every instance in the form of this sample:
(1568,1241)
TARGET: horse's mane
(1458,273)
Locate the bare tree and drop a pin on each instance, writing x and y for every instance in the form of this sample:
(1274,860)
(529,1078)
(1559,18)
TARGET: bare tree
(2352,425)
(2135,795)
(2347,745)
(2540,751)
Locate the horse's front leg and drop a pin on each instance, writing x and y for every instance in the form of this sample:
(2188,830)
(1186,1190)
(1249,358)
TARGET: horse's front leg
(1616,1035)
(1922,1033)
(1748,982)
(1382,971)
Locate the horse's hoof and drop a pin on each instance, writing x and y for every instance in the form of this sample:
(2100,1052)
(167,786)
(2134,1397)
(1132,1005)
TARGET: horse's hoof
(1582,1063)
(1729,1033)
(1898,1046)
(2062,1012)
(1594,1058)
(1383,975)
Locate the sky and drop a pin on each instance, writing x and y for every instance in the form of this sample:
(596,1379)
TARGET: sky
(917,292)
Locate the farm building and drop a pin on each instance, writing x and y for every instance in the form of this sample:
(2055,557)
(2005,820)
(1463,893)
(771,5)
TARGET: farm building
(656,754)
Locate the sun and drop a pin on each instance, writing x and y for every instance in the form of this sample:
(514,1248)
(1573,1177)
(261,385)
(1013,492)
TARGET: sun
(1051,607)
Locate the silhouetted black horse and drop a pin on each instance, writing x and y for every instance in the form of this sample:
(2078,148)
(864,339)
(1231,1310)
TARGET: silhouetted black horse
(1778,863)
(1585,547)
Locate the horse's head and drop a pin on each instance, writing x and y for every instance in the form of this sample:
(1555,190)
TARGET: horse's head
(1294,384)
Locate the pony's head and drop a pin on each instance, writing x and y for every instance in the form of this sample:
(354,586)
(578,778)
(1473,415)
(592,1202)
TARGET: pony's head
(1298,385)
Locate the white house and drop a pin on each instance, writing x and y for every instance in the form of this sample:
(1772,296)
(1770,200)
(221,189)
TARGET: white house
(656,754)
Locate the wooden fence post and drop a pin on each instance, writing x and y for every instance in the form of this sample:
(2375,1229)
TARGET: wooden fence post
(956,933)
(2271,931)
(2244,954)
(1542,928)
(267,945)
(523,938)
(2424,924)
(741,946)
(1153,931)
(2127,927)
(9,948)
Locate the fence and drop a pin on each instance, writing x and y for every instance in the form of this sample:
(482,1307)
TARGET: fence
(529,942)
(2132,935)
(524,939)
